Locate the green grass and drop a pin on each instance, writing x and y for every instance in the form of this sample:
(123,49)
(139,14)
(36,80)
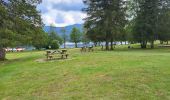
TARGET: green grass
(102,75)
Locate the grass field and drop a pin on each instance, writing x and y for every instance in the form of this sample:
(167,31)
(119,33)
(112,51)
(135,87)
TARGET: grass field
(102,75)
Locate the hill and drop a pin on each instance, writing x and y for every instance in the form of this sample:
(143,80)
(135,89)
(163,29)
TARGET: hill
(68,28)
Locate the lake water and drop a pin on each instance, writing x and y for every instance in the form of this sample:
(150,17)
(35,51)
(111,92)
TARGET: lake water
(72,45)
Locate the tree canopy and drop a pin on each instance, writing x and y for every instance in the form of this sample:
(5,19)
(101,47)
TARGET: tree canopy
(106,19)
(20,23)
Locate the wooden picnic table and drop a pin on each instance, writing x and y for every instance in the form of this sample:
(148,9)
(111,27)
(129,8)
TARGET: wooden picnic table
(84,49)
(51,53)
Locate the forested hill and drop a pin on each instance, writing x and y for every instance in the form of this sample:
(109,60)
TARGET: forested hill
(67,28)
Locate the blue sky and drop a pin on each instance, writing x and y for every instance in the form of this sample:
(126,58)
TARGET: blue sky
(62,12)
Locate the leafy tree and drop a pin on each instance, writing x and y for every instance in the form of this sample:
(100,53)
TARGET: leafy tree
(85,38)
(55,44)
(64,36)
(53,37)
(19,20)
(75,36)
(42,39)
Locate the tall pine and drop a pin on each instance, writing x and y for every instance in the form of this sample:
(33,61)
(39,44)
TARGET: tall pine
(106,18)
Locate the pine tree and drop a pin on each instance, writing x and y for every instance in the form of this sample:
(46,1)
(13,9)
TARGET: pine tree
(147,21)
(106,18)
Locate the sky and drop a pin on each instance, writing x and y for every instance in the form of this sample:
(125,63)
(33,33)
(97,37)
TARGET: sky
(62,12)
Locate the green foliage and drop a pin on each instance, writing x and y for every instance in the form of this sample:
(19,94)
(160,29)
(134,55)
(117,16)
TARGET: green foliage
(75,36)
(54,40)
(106,20)
(64,36)
(55,36)
(55,44)
(20,23)
(163,27)
(85,39)
(42,38)
(149,25)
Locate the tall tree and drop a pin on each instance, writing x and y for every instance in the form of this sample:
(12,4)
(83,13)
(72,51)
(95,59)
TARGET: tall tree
(147,20)
(164,21)
(40,40)
(64,36)
(53,39)
(85,38)
(19,21)
(75,36)
(106,17)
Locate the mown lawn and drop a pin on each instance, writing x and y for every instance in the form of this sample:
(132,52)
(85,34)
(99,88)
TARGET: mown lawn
(102,75)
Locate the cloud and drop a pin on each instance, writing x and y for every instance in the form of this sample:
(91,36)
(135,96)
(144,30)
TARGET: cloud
(62,12)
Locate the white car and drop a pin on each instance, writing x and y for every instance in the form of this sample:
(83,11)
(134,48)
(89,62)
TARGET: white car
(20,49)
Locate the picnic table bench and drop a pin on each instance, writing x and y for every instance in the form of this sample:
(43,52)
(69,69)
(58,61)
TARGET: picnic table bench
(51,53)
(84,49)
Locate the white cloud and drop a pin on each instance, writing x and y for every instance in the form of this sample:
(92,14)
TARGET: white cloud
(62,12)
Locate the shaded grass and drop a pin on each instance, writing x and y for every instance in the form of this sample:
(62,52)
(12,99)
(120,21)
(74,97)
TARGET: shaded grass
(122,74)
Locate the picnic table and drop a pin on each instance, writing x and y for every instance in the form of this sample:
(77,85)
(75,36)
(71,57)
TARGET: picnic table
(51,53)
(84,49)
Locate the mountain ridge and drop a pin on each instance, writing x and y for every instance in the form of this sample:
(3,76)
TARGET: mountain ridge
(67,28)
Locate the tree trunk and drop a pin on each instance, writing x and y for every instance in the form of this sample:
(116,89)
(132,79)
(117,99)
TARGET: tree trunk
(161,42)
(102,47)
(76,45)
(143,44)
(167,42)
(95,44)
(152,44)
(107,40)
(64,43)
(115,44)
(107,45)
(2,54)
(125,43)
(111,45)
(121,43)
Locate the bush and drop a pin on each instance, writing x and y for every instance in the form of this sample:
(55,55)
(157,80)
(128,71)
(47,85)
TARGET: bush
(55,44)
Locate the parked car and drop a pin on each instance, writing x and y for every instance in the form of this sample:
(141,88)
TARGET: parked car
(20,49)
(14,49)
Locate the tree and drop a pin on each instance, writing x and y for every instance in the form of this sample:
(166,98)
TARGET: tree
(42,39)
(55,44)
(75,36)
(53,37)
(85,38)
(149,14)
(64,36)
(19,20)
(106,18)
(164,23)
